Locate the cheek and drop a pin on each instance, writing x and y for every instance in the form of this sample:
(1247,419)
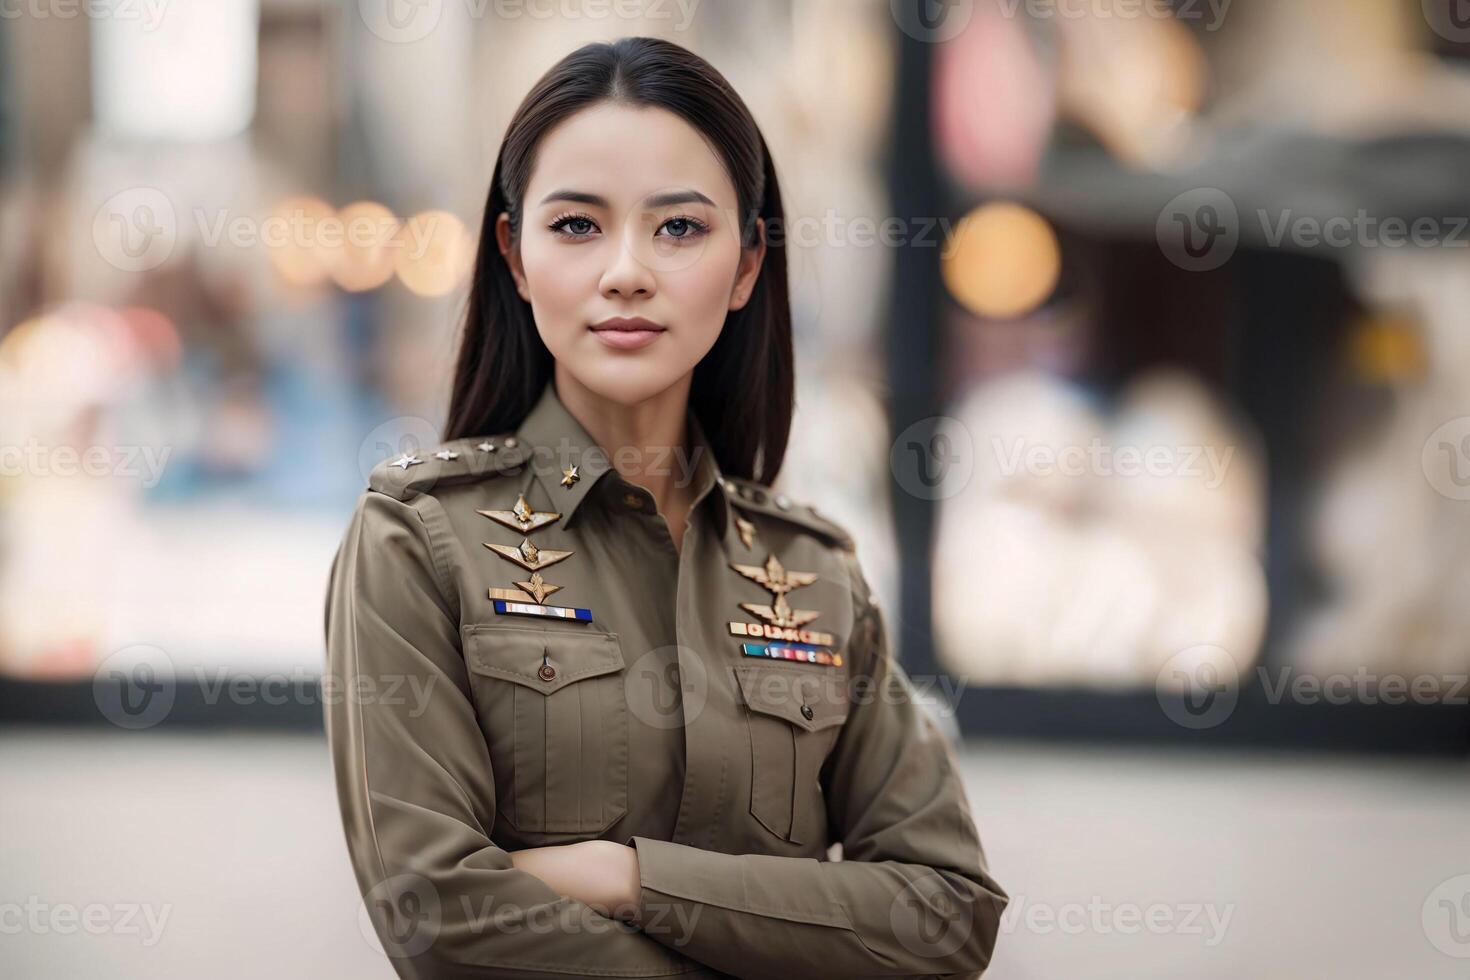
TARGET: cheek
(700,294)
(559,290)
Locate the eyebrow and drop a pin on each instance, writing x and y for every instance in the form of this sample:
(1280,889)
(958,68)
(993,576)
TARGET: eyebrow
(658,200)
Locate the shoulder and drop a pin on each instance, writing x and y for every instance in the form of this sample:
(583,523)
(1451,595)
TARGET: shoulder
(425,471)
(760,500)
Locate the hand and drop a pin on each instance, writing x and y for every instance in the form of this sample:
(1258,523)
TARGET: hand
(600,873)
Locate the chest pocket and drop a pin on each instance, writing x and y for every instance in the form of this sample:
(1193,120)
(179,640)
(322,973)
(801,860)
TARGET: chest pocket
(794,714)
(555,716)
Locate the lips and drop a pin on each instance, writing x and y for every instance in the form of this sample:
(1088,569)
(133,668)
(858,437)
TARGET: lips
(627,333)
(626,324)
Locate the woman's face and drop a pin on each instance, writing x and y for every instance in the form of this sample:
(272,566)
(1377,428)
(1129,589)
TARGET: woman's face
(629,214)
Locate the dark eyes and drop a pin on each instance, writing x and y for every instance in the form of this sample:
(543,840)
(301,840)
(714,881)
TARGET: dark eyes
(579,226)
(573,225)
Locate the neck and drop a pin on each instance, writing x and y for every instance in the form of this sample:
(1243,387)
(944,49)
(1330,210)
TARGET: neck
(646,442)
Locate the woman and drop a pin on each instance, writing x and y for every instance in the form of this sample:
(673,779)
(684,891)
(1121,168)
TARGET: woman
(603,713)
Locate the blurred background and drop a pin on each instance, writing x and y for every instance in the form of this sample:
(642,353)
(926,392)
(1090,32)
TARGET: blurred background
(1131,349)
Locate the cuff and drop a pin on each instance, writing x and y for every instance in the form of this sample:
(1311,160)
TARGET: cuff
(672,874)
(668,872)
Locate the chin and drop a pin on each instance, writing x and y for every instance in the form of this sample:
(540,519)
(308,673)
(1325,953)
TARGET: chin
(625,380)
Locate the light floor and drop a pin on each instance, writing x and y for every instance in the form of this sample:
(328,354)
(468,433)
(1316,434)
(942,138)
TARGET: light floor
(1120,863)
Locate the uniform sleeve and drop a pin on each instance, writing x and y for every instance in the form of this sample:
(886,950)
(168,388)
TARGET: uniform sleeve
(415,787)
(912,895)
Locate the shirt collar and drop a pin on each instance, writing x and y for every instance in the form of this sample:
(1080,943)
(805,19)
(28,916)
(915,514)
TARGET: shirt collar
(557,442)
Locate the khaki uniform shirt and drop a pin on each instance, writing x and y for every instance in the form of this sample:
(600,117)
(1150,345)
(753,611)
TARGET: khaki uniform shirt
(461,730)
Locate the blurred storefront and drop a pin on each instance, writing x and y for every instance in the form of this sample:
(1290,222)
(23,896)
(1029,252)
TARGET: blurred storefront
(1198,364)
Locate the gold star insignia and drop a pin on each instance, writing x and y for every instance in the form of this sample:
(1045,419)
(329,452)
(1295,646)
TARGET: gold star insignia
(528,556)
(747,532)
(521,517)
(778,580)
(570,476)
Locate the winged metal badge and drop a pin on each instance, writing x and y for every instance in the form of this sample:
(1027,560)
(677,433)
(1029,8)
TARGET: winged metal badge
(779,580)
(528,556)
(522,517)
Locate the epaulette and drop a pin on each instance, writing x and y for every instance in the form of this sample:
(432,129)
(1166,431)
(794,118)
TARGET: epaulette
(457,461)
(752,496)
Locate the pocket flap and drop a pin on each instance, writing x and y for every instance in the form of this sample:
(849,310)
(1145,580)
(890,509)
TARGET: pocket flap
(518,654)
(791,692)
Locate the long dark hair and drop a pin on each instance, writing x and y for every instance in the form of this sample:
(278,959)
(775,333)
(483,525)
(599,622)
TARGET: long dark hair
(743,389)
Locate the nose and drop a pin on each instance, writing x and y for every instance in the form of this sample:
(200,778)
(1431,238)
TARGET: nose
(626,274)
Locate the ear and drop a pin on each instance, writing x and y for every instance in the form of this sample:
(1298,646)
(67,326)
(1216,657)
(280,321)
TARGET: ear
(749,268)
(512,255)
